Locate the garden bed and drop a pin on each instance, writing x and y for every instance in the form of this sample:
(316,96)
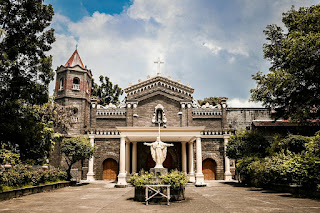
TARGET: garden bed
(176,180)
(6,195)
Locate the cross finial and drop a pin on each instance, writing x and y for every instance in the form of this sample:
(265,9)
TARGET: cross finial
(159,62)
(76,46)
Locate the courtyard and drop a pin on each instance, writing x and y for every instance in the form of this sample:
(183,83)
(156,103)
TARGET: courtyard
(218,196)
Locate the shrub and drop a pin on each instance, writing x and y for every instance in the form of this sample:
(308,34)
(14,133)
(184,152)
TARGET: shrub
(175,179)
(141,179)
(6,156)
(20,175)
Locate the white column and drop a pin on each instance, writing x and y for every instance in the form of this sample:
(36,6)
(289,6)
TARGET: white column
(184,157)
(90,174)
(191,170)
(227,173)
(199,174)
(134,157)
(122,173)
(128,157)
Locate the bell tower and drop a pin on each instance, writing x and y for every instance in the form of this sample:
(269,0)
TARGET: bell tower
(73,88)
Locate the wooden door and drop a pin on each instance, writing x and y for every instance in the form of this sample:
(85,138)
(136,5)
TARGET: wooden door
(110,169)
(209,169)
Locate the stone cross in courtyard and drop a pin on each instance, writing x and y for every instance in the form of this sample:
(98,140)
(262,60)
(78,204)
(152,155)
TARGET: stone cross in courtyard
(159,62)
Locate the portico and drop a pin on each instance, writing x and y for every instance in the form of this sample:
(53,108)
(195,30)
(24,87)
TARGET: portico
(188,138)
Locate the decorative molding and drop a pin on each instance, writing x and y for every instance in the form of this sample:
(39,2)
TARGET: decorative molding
(133,104)
(164,119)
(159,81)
(207,112)
(195,104)
(111,112)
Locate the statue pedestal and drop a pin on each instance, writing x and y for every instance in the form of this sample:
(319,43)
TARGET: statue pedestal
(158,172)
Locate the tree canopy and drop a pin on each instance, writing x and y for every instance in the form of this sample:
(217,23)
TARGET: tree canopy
(25,74)
(106,91)
(76,149)
(211,100)
(292,87)
(246,144)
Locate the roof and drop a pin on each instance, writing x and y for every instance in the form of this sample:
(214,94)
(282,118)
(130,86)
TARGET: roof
(278,123)
(74,60)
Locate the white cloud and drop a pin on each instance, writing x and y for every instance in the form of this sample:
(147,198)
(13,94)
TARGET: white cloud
(236,102)
(214,45)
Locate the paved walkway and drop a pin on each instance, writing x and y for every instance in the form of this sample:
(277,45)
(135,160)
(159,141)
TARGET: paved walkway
(217,197)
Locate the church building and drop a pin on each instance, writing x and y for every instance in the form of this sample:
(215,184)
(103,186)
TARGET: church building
(199,133)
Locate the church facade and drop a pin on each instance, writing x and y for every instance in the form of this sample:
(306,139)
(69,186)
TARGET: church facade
(199,133)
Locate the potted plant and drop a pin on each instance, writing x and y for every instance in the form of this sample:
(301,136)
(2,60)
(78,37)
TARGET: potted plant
(139,180)
(177,181)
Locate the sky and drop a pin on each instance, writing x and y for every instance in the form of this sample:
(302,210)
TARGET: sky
(214,45)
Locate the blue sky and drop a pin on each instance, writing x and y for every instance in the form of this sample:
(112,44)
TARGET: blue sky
(214,45)
(77,9)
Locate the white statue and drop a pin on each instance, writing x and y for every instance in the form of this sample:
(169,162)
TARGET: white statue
(158,151)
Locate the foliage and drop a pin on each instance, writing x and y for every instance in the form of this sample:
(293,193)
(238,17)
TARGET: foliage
(24,78)
(211,100)
(6,156)
(25,68)
(141,179)
(21,175)
(76,149)
(33,135)
(292,143)
(292,86)
(288,165)
(106,91)
(175,179)
(247,143)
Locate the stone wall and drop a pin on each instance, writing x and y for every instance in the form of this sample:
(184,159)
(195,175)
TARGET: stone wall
(105,148)
(213,149)
(105,123)
(241,118)
(209,123)
(146,108)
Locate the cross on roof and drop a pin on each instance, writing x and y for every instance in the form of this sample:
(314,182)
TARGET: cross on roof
(159,62)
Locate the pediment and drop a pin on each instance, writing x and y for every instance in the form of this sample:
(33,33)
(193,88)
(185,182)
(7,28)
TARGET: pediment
(159,93)
(159,85)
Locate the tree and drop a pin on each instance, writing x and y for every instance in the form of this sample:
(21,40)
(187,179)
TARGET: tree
(211,100)
(247,144)
(106,91)
(76,149)
(25,68)
(25,73)
(292,86)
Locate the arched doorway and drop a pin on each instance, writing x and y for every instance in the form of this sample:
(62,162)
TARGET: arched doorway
(166,164)
(209,169)
(110,169)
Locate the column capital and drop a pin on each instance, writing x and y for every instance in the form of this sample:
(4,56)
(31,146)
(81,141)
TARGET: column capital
(91,136)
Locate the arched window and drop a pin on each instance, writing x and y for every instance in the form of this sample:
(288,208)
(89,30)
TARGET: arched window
(76,84)
(61,84)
